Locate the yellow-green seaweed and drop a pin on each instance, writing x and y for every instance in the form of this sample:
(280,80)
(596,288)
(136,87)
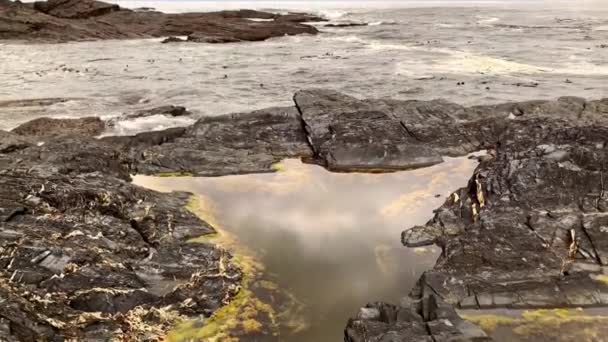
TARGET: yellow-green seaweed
(564,324)
(243,313)
(175,174)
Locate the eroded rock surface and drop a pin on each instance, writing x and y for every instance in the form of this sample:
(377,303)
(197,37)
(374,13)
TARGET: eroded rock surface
(73,20)
(525,232)
(89,126)
(95,254)
(213,146)
(86,255)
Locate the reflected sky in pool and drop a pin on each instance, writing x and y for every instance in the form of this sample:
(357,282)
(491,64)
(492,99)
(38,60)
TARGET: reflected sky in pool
(330,239)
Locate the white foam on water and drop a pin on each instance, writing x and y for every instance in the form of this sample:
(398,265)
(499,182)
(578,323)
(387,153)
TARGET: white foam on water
(348,39)
(145,124)
(259,19)
(487,21)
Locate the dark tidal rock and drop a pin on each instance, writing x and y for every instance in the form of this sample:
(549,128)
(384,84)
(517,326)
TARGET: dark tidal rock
(346,24)
(75,9)
(95,254)
(508,237)
(162,110)
(90,126)
(229,144)
(86,255)
(173,40)
(74,20)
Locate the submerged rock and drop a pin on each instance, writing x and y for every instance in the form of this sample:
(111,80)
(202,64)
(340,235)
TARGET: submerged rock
(346,24)
(169,110)
(173,40)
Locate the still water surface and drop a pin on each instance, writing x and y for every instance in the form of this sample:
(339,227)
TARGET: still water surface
(330,239)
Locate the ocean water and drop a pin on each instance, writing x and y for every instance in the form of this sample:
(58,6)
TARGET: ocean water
(408,51)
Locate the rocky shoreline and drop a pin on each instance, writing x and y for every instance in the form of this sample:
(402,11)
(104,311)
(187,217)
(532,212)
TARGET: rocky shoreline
(77,20)
(87,254)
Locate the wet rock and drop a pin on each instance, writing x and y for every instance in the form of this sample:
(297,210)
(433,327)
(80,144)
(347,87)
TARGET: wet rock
(90,126)
(162,110)
(349,135)
(10,142)
(75,9)
(231,32)
(405,323)
(86,248)
(173,40)
(525,232)
(85,253)
(71,20)
(228,144)
(346,24)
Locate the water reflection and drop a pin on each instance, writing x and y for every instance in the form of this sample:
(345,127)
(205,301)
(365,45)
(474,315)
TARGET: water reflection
(330,239)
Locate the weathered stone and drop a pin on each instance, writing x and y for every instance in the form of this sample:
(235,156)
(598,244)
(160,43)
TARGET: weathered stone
(84,252)
(228,144)
(69,20)
(350,135)
(162,110)
(75,9)
(418,237)
(527,232)
(10,142)
(90,126)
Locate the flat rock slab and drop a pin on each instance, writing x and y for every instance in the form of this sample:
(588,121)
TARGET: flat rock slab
(351,135)
(228,144)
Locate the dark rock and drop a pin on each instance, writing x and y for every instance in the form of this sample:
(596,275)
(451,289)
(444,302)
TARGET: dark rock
(346,24)
(86,255)
(525,232)
(228,144)
(405,323)
(10,142)
(255,31)
(173,40)
(90,126)
(528,231)
(163,110)
(298,17)
(75,9)
(347,134)
(73,20)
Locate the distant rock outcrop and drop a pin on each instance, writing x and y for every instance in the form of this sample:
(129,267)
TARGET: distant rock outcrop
(75,9)
(73,20)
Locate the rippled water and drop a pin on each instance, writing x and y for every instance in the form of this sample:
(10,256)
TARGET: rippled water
(407,53)
(332,240)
